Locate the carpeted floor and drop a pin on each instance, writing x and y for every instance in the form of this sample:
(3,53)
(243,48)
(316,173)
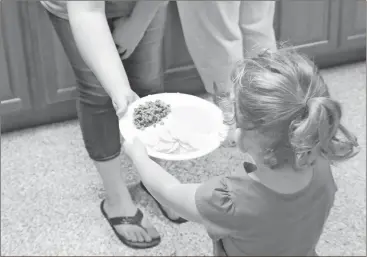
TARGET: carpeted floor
(50,191)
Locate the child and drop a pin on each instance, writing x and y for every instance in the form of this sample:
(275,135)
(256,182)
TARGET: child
(288,123)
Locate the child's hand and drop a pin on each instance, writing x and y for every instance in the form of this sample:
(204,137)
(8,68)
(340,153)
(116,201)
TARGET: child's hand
(135,149)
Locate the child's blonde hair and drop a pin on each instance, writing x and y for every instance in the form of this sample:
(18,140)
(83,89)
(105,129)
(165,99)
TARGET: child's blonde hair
(282,96)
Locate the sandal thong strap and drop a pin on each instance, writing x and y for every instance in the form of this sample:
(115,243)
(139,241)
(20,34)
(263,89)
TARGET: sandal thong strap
(129,220)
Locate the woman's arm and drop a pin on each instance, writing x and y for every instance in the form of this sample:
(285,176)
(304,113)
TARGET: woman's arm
(167,190)
(95,43)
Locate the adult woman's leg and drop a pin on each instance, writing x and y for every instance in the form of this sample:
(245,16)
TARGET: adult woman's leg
(213,38)
(145,65)
(99,125)
(256,23)
(220,33)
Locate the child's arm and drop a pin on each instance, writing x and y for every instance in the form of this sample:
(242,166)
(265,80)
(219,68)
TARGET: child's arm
(167,190)
(193,202)
(164,187)
(210,203)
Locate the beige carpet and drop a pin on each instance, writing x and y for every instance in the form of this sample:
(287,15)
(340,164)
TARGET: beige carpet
(50,192)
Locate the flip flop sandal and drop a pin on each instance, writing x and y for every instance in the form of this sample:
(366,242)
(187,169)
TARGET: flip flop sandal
(130,220)
(177,221)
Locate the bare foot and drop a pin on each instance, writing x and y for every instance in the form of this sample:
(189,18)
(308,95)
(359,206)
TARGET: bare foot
(133,233)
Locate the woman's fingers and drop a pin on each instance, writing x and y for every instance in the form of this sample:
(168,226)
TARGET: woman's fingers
(126,54)
(121,109)
(135,96)
(121,51)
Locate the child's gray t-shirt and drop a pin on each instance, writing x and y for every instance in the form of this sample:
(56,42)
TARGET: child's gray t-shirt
(245,218)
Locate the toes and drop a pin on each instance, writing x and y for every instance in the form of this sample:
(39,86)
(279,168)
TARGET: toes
(140,237)
(138,234)
(135,233)
(133,237)
(146,237)
(127,232)
(152,232)
(141,234)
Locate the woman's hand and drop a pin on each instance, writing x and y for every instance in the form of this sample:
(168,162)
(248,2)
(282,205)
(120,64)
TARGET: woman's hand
(128,32)
(122,101)
(126,36)
(135,149)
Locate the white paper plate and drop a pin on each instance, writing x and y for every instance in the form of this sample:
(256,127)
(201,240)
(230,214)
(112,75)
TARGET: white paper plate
(192,119)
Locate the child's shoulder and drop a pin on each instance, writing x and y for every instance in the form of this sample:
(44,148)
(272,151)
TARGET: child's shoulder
(229,191)
(238,182)
(226,200)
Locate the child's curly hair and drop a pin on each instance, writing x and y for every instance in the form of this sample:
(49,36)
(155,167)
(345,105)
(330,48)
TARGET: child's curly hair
(283,96)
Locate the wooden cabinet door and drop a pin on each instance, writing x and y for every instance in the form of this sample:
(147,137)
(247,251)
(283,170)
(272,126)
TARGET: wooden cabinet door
(180,72)
(353,24)
(51,80)
(310,26)
(56,77)
(14,87)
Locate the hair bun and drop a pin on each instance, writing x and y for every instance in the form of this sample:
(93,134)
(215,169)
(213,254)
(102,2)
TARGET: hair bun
(317,131)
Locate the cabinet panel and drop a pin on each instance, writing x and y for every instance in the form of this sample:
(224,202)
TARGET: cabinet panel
(6,91)
(14,88)
(333,31)
(56,75)
(353,24)
(310,26)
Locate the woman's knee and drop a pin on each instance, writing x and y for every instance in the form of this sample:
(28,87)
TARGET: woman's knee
(104,156)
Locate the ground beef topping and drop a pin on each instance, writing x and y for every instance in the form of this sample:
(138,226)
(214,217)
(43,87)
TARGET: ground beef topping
(150,113)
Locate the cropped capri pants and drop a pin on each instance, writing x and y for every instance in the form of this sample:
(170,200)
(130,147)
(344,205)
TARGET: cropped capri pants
(97,117)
